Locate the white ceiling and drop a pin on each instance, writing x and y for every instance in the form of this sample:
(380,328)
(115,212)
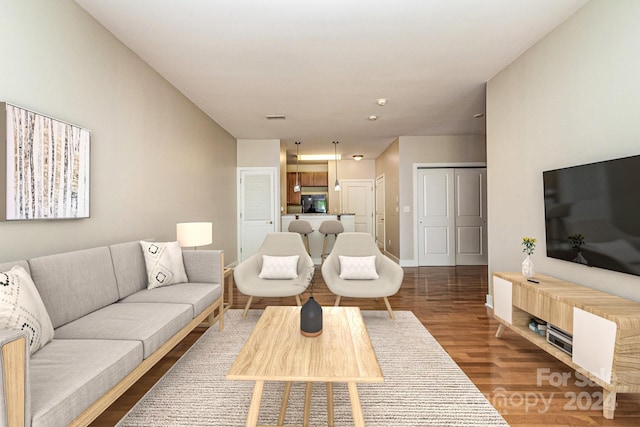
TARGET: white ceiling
(324,64)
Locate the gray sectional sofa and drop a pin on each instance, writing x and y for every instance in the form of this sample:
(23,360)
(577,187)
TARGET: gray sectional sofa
(109,330)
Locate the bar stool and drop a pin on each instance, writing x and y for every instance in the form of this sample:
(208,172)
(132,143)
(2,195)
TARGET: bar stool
(330,226)
(303,228)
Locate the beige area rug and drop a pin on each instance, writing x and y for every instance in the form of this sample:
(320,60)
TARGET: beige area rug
(423,385)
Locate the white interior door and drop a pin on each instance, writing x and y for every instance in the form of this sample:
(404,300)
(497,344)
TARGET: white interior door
(471,216)
(257,210)
(380,229)
(436,217)
(357,198)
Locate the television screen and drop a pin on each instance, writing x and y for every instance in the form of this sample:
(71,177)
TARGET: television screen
(592,214)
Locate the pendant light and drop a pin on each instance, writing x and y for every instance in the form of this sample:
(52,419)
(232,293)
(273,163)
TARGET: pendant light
(296,188)
(335,156)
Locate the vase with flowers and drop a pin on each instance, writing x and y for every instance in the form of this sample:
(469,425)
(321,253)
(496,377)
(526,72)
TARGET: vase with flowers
(529,244)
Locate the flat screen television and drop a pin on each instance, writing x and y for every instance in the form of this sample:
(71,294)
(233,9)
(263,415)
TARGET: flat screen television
(592,214)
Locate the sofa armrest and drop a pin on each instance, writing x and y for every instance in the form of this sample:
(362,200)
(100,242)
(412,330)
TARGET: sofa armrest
(15,405)
(204,266)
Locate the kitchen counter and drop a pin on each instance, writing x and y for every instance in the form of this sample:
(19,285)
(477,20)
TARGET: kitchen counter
(316,238)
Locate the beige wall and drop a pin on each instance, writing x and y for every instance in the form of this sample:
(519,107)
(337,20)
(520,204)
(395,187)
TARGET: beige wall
(573,98)
(445,150)
(388,164)
(156,159)
(259,153)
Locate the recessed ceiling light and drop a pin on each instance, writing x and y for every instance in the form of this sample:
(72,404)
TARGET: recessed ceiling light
(357,157)
(276,117)
(479,115)
(382,102)
(373,118)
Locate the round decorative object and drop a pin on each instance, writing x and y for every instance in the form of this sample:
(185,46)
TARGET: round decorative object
(311,318)
(527,268)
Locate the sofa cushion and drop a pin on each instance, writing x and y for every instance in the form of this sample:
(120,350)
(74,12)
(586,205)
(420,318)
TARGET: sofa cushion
(199,295)
(66,376)
(129,267)
(21,308)
(164,263)
(73,284)
(151,323)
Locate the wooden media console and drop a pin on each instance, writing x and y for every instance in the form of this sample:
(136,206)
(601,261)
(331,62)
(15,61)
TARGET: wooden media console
(605,328)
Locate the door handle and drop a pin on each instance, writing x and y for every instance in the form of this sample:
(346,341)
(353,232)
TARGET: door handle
(270,222)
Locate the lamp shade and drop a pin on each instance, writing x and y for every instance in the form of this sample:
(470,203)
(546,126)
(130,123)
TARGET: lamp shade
(194,233)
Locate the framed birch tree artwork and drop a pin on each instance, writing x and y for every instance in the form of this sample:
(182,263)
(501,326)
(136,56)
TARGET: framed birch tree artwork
(46,165)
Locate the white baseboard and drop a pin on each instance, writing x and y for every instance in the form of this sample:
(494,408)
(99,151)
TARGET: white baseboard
(489,301)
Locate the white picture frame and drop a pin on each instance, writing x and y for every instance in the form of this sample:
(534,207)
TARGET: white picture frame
(46,166)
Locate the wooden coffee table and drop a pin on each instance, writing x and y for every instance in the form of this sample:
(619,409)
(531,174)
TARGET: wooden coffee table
(277,351)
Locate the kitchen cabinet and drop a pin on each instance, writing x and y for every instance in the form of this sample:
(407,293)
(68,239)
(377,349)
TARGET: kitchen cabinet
(320,179)
(314,179)
(305,179)
(293,198)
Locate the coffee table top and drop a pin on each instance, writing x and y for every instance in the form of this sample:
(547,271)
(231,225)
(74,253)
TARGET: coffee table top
(277,351)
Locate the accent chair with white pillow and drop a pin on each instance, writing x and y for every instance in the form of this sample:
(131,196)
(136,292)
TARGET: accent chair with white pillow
(280,268)
(356,268)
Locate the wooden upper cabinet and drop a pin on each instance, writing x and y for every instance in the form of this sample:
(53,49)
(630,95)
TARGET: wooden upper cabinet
(293,198)
(314,179)
(320,179)
(306,179)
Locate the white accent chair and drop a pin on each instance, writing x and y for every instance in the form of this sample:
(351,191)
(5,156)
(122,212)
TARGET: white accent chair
(355,244)
(275,244)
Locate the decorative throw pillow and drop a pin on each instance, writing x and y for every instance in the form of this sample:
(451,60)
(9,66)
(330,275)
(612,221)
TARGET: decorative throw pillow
(279,267)
(164,263)
(358,267)
(22,308)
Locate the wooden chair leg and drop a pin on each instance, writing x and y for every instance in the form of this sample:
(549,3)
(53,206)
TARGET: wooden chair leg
(246,307)
(338,298)
(324,250)
(306,243)
(386,302)
(298,302)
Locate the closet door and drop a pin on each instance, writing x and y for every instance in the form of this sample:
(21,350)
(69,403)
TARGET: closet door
(436,217)
(452,216)
(471,216)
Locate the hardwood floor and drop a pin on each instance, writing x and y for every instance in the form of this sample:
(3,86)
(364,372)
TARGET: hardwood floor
(528,386)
